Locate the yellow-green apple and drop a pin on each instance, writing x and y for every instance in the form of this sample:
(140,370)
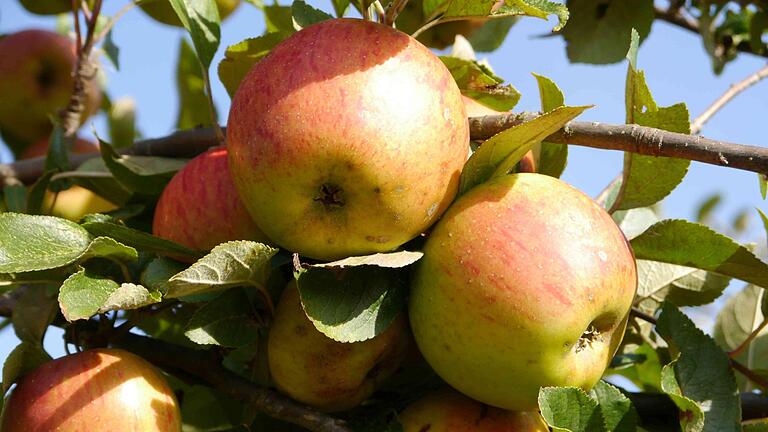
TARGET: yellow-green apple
(347,139)
(450,411)
(476,109)
(161,10)
(36,82)
(200,208)
(77,201)
(525,282)
(319,371)
(95,390)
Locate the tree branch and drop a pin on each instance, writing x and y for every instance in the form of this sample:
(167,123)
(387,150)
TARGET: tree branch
(629,138)
(676,18)
(732,92)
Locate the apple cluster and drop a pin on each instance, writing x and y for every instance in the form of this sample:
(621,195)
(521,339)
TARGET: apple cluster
(525,282)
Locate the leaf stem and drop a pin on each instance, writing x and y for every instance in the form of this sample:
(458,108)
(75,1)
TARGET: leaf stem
(435,22)
(745,344)
(209,93)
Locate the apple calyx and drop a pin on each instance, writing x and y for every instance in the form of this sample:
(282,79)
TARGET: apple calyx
(331,196)
(595,331)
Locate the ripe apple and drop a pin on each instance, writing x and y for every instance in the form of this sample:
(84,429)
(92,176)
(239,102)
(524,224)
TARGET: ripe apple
(476,109)
(36,82)
(95,390)
(450,411)
(347,139)
(319,371)
(200,207)
(525,282)
(162,11)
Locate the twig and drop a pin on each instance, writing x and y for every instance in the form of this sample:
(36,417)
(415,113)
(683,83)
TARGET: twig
(674,17)
(208,367)
(743,345)
(111,23)
(435,22)
(732,92)
(750,374)
(637,313)
(629,138)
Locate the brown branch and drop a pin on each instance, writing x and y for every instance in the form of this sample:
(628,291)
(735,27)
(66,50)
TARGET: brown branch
(629,138)
(732,92)
(676,18)
(745,343)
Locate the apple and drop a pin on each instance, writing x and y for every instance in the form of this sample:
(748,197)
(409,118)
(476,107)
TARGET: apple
(319,371)
(162,11)
(95,390)
(347,139)
(36,82)
(200,208)
(476,109)
(525,282)
(450,411)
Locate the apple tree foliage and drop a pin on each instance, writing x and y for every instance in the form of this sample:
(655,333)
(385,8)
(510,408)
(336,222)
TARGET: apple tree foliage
(106,272)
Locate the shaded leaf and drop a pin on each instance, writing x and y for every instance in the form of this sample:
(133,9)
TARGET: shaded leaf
(106,247)
(25,358)
(570,409)
(201,19)
(552,157)
(193,102)
(142,175)
(477,81)
(226,321)
(137,239)
(33,312)
(240,58)
(619,415)
(305,15)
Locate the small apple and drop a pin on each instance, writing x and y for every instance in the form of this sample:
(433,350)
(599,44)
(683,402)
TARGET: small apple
(200,207)
(340,152)
(319,371)
(525,282)
(476,109)
(450,411)
(36,82)
(162,11)
(95,390)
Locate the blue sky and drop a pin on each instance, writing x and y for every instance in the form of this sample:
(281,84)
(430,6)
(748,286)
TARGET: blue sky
(676,66)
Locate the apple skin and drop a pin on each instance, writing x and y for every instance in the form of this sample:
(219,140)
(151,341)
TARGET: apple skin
(77,201)
(476,109)
(200,208)
(450,411)
(352,151)
(512,277)
(162,11)
(319,371)
(95,390)
(36,82)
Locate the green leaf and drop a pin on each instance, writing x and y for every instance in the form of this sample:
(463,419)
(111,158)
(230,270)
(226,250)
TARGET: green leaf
(205,410)
(226,321)
(645,373)
(25,358)
(570,409)
(83,293)
(763,179)
(354,305)
(340,7)
(201,19)
(499,154)
(142,175)
(764,218)
(57,157)
(235,263)
(122,123)
(619,415)
(193,102)
(389,260)
(757,26)
(94,175)
(682,286)
(33,312)
(130,296)
(36,193)
(112,50)
(552,157)
(155,276)
(492,34)
(693,245)
(701,374)
(706,208)
(635,221)
(240,58)
(477,81)
(278,19)
(15,197)
(740,317)
(535,8)
(137,239)
(305,15)
(29,243)
(106,247)
(691,413)
(599,31)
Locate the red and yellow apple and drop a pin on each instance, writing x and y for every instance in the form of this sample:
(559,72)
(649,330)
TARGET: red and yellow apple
(450,411)
(95,390)
(36,82)
(341,152)
(525,282)
(162,11)
(200,208)
(476,109)
(316,370)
